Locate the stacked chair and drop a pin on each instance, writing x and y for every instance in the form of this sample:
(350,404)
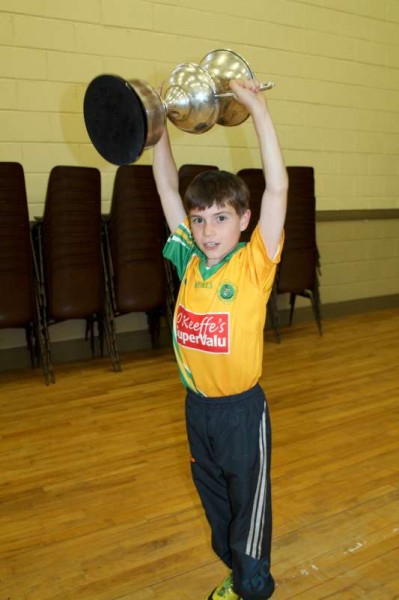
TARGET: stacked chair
(188,172)
(135,233)
(299,269)
(68,241)
(19,297)
(255,181)
(85,266)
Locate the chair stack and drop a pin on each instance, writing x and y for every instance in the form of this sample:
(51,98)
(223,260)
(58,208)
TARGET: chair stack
(69,245)
(299,272)
(255,181)
(299,268)
(86,266)
(188,172)
(19,298)
(135,233)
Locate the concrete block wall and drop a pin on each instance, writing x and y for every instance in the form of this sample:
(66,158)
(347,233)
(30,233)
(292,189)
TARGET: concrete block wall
(336,103)
(336,65)
(359,259)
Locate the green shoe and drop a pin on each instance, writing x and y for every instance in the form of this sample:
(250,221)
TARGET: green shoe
(224,591)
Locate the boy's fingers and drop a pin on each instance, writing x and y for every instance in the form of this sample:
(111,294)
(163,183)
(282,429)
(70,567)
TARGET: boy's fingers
(246,84)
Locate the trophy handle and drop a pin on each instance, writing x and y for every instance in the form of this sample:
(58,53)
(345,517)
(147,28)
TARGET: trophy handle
(263,87)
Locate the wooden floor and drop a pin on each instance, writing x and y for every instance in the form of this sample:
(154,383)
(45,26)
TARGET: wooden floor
(96,499)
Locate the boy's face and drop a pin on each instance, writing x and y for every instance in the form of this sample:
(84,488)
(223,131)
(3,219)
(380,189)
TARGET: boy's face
(216,230)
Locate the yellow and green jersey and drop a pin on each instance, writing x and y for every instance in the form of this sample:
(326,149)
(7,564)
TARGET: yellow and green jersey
(220,313)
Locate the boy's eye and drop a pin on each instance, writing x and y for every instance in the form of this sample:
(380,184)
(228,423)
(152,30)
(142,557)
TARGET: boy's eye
(196,220)
(222,218)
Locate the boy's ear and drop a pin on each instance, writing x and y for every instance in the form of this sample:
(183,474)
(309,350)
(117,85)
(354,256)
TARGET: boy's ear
(245,220)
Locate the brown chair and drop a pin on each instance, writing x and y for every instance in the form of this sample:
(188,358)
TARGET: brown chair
(19,300)
(299,268)
(136,233)
(188,172)
(255,181)
(69,244)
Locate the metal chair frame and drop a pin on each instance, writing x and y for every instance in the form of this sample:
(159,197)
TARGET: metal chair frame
(102,319)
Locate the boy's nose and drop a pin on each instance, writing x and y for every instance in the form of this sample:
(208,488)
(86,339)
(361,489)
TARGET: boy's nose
(208,229)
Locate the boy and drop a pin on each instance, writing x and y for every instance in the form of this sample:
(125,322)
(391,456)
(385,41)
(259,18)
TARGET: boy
(218,340)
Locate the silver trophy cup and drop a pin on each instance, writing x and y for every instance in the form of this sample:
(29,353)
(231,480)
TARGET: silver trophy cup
(125,117)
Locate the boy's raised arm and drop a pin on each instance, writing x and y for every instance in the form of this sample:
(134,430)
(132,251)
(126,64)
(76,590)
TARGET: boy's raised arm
(274,200)
(167,182)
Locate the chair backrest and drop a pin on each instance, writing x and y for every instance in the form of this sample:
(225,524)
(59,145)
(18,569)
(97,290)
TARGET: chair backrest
(300,222)
(297,270)
(298,267)
(255,181)
(137,233)
(188,172)
(17,306)
(71,243)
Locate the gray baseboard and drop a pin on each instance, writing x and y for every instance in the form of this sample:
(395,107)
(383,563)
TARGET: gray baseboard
(73,350)
(341,309)
(357,215)
(80,349)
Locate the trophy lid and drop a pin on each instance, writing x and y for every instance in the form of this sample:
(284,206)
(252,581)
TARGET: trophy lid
(115,119)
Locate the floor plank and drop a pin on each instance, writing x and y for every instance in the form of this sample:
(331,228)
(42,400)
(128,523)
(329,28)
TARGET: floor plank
(96,500)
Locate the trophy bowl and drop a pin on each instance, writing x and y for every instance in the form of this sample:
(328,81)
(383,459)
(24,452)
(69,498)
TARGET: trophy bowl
(190,98)
(223,65)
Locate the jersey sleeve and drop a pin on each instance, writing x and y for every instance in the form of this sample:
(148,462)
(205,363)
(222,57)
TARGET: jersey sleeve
(180,247)
(262,268)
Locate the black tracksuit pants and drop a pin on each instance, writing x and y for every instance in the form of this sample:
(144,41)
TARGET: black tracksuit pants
(230,443)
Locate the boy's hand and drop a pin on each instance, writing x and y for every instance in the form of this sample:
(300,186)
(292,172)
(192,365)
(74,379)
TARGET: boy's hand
(247,92)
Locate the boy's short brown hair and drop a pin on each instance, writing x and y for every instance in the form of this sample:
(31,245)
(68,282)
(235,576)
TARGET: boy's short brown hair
(217,187)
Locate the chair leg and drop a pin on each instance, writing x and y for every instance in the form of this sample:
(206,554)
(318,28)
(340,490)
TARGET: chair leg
(29,335)
(169,317)
(292,307)
(274,315)
(171,295)
(109,331)
(100,329)
(89,333)
(154,326)
(108,322)
(315,298)
(41,323)
(44,350)
(109,301)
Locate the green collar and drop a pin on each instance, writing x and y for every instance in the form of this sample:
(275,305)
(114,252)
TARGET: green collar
(207,272)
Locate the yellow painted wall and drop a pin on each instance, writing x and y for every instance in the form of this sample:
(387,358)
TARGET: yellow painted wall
(335,62)
(336,103)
